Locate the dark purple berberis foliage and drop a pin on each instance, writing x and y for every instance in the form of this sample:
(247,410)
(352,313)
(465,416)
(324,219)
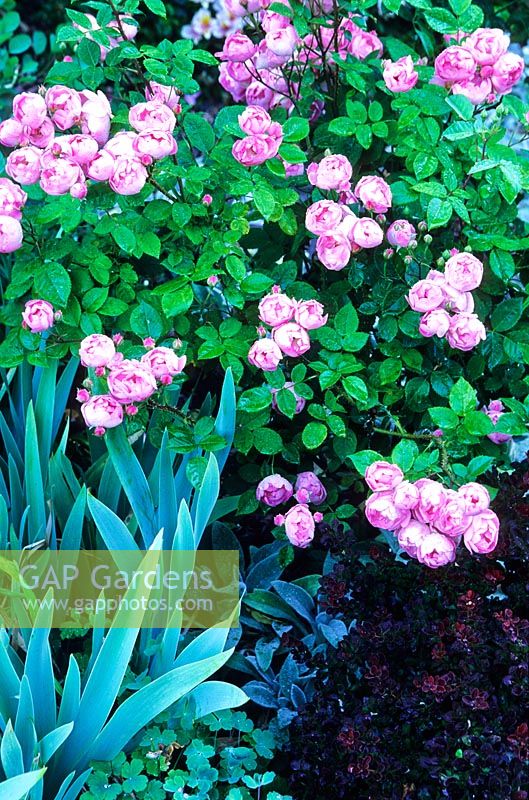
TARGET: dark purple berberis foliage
(425,696)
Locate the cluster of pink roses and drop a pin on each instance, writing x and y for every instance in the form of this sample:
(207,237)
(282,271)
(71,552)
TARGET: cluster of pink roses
(290,321)
(299,521)
(438,295)
(479,66)
(263,138)
(255,71)
(340,232)
(128,381)
(63,163)
(428,519)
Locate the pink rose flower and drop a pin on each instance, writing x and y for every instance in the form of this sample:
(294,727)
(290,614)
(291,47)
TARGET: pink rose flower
(401,233)
(79,189)
(309,314)
(129,176)
(400,75)
(506,72)
(11,132)
(406,495)
(24,165)
(101,167)
(265,354)
(311,489)
(84,148)
(152,115)
(43,135)
(122,144)
(334,250)
(411,536)
(163,362)
(482,534)
(436,550)
(332,172)
(276,308)
(382,512)
(282,42)
(254,119)
(240,8)
(291,338)
(487,45)
(12,199)
(130,382)
(452,518)
(64,106)
(95,115)
(257,94)
(359,43)
(60,176)
(464,272)
(270,21)
(154,144)
(300,401)
(434,323)
(274,490)
(367,233)
(454,64)
(255,149)
(96,350)
(237,47)
(425,295)
(381,476)
(374,193)
(457,301)
(465,332)
(11,234)
(477,89)
(323,217)
(299,525)
(475,497)
(163,94)
(38,316)
(432,497)
(102,411)
(29,108)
